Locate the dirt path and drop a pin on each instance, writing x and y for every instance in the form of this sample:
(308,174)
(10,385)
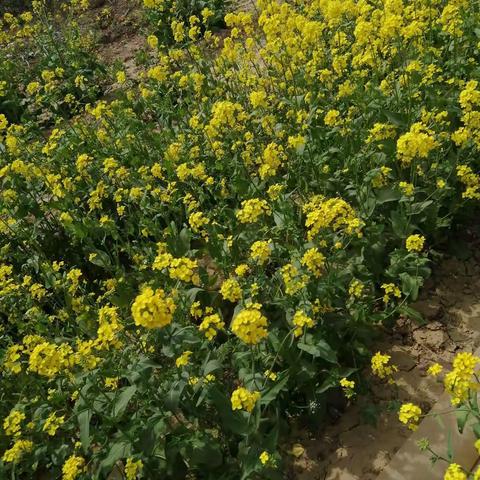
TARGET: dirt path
(353,450)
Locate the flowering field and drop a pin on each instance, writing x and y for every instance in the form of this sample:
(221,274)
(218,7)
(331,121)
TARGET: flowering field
(186,267)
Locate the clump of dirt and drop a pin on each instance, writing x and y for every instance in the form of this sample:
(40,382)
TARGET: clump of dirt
(120,25)
(450,303)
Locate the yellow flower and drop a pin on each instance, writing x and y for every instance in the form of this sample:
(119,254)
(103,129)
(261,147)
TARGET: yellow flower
(152,41)
(111,383)
(461,379)
(121,77)
(183,359)
(132,468)
(14,454)
(264,457)
(52,424)
(390,289)
(409,415)
(252,210)
(415,243)
(434,369)
(231,290)
(241,270)
(183,269)
(250,325)
(260,251)
(454,472)
(314,261)
(12,422)
(332,118)
(243,399)
(73,467)
(407,188)
(210,325)
(301,321)
(292,279)
(3,122)
(153,309)
(416,143)
(477,445)
(348,387)
(381,366)
(270,375)
(356,288)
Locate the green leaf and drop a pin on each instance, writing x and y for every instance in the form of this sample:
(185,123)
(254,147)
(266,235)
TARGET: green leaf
(387,195)
(173,398)
(412,314)
(419,207)
(117,451)
(122,400)
(320,349)
(271,393)
(83,419)
(410,285)
(100,258)
(399,119)
(476,429)
(462,417)
(399,223)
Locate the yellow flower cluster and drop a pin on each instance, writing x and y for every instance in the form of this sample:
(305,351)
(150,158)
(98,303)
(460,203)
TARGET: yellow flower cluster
(48,359)
(314,261)
(250,325)
(211,324)
(231,290)
(418,142)
(470,180)
(381,366)
(292,279)
(153,309)
(301,321)
(415,243)
(183,359)
(461,379)
(14,454)
(333,213)
(409,414)
(73,467)
(260,251)
(356,288)
(52,424)
(184,269)
(252,210)
(12,422)
(390,289)
(455,472)
(348,387)
(243,399)
(133,468)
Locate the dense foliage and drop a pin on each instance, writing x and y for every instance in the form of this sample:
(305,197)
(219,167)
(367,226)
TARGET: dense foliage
(189,265)
(48,67)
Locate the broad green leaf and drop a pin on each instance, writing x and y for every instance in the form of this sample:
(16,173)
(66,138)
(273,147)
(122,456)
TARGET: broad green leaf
(320,349)
(83,419)
(271,393)
(122,400)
